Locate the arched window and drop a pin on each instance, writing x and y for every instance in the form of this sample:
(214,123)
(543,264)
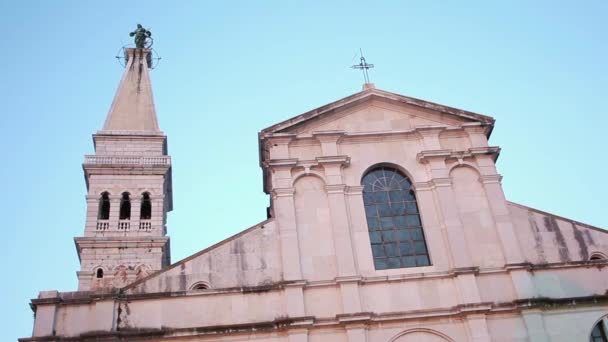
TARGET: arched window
(125,207)
(99,273)
(200,286)
(393,221)
(145,212)
(599,332)
(597,256)
(104,207)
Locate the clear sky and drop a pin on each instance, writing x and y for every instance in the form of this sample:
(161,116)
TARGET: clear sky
(230,69)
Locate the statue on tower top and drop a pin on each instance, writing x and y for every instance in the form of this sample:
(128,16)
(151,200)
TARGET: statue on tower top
(142,37)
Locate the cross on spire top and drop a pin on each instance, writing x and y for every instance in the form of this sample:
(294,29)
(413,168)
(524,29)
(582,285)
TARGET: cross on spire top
(363,66)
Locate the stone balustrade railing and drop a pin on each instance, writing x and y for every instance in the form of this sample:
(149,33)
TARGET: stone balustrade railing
(127,160)
(103,224)
(124,225)
(145,225)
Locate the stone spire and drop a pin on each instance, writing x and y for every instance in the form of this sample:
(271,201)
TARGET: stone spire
(129,191)
(133,106)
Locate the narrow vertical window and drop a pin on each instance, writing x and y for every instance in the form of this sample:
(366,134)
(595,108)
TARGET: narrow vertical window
(104,207)
(145,212)
(393,220)
(125,207)
(99,273)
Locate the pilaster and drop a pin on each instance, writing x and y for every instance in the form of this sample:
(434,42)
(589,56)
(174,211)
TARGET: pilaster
(478,328)
(506,231)
(350,292)
(44,322)
(294,299)
(459,249)
(284,209)
(329,141)
(298,335)
(343,244)
(535,325)
(356,333)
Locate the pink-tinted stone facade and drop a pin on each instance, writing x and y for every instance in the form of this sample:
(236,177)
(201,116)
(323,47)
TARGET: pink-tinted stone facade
(498,271)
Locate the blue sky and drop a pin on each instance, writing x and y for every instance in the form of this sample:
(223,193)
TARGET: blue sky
(230,69)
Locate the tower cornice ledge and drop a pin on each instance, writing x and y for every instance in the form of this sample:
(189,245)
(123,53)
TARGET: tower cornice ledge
(129,161)
(129,133)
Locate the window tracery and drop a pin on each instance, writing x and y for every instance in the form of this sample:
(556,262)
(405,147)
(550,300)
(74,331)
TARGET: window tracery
(395,230)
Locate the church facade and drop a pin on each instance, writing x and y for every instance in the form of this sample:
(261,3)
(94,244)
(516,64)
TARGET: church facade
(387,223)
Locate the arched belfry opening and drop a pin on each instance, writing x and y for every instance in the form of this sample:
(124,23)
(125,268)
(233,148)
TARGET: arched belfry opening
(145,212)
(125,207)
(104,207)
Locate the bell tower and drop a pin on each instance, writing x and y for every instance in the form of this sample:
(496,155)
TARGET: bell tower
(128,183)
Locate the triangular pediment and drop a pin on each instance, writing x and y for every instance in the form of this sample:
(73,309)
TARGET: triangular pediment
(375,110)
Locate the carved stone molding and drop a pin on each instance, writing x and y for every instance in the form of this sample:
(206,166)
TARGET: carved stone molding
(439,182)
(354,190)
(342,160)
(282,163)
(426,156)
(488,179)
(336,188)
(283,192)
(328,136)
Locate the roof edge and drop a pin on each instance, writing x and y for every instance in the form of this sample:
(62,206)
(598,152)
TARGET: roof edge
(304,117)
(559,217)
(201,252)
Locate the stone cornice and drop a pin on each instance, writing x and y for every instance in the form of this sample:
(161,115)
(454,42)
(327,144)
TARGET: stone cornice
(282,163)
(426,156)
(293,162)
(121,241)
(352,320)
(128,135)
(328,160)
(119,165)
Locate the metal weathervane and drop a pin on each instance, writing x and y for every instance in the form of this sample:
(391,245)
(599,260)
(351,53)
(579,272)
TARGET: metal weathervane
(363,66)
